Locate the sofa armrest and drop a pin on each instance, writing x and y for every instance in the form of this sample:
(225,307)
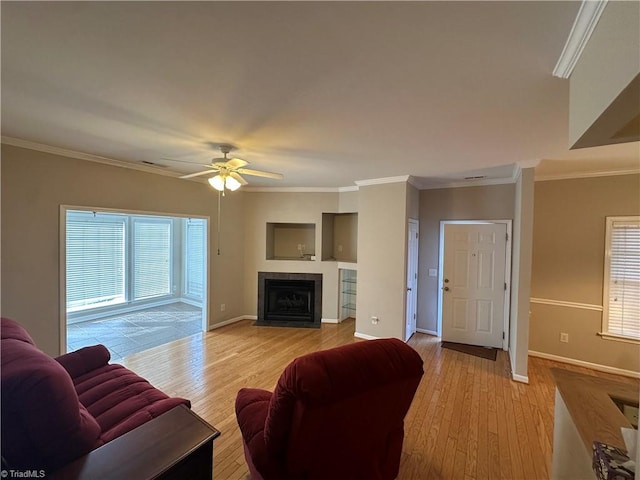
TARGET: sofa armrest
(84,360)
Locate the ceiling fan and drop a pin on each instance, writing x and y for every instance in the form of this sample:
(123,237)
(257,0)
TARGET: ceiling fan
(228,171)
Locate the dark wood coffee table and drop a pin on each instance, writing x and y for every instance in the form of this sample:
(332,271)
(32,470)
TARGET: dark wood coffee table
(176,445)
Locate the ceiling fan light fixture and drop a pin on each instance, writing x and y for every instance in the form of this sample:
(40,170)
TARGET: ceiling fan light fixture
(231,184)
(217,182)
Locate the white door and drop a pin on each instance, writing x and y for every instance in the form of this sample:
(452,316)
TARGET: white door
(473,284)
(412,279)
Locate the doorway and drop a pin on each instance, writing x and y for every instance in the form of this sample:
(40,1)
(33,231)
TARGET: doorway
(131,281)
(474,281)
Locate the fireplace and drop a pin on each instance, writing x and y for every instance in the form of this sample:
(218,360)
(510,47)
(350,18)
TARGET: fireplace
(289,299)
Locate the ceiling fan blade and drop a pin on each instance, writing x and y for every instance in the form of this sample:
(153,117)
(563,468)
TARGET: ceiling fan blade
(197,174)
(258,173)
(235,163)
(238,178)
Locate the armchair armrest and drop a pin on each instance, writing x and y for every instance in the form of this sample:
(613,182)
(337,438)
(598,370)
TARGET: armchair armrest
(84,360)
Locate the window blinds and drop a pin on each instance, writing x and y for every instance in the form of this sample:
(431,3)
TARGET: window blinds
(195,255)
(95,260)
(151,258)
(623,268)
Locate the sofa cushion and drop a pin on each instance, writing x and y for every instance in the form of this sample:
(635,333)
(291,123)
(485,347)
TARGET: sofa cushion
(120,400)
(43,424)
(84,360)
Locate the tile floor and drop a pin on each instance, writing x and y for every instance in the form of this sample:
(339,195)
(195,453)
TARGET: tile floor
(137,331)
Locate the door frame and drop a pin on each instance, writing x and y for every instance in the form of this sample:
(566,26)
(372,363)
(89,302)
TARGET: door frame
(414,292)
(63,260)
(507,272)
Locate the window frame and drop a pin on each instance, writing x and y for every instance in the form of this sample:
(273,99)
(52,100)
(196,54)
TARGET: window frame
(609,226)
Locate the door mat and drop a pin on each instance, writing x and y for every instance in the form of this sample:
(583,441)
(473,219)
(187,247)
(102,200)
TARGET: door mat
(489,353)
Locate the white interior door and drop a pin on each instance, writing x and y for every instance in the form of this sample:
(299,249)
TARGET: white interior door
(412,279)
(474,283)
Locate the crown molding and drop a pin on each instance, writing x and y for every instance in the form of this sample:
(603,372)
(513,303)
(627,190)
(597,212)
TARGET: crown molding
(292,189)
(600,173)
(353,188)
(581,31)
(381,181)
(40,147)
(471,183)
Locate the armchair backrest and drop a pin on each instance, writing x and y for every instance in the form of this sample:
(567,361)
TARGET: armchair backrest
(341,411)
(43,423)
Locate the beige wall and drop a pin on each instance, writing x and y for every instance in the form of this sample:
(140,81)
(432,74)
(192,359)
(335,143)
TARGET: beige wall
(348,202)
(35,184)
(494,202)
(521,274)
(607,65)
(568,265)
(382,225)
(345,235)
(261,208)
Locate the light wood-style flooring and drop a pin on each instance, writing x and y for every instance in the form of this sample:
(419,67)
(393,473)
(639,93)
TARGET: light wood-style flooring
(468,419)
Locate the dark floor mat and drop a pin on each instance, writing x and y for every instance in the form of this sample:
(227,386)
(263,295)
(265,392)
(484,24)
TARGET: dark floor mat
(483,352)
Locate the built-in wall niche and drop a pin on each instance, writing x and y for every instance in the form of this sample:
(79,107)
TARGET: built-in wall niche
(291,241)
(340,237)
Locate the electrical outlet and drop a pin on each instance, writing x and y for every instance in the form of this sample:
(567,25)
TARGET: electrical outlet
(223,307)
(564,337)
(374,320)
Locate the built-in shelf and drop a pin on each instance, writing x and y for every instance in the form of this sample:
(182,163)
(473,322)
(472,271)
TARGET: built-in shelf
(291,241)
(340,237)
(348,291)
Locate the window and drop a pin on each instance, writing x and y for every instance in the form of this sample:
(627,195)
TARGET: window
(95,260)
(621,302)
(194,258)
(114,259)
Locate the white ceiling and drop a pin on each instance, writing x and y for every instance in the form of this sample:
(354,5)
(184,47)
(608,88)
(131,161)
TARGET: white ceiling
(325,93)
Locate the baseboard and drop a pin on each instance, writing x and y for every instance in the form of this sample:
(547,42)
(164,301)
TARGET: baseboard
(519,378)
(364,336)
(331,320)
(582,363)
(231,320)
(428,332)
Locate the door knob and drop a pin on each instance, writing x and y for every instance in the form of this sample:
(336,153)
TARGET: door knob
(446,280)
(408,289)
(446,289)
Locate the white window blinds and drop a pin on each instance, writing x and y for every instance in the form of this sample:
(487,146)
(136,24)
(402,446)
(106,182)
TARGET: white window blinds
(622,277)
(95,260)
(195,258)
(151,258)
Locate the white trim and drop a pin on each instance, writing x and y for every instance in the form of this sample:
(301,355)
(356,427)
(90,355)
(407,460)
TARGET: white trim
(364,336)
(562,303)
(618,338)
(347,266)
(468,183)
(40,147)
(380,181)
(582,363)
(294,189)
(519,378)
(581,31)
(353,188)
(428,332)
(601,173)
(224,323)
(331,320)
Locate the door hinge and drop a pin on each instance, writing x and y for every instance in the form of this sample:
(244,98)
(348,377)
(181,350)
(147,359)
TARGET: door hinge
(503,335)
(414,316)
(416,234)
(506,236)
(505,286)
(415,276)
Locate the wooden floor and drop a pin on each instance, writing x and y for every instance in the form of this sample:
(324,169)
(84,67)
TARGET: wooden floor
(468,419)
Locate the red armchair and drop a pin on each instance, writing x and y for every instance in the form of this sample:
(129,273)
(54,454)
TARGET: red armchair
(335,414)
(56,410)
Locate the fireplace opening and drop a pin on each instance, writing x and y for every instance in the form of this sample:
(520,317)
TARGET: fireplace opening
(289,299)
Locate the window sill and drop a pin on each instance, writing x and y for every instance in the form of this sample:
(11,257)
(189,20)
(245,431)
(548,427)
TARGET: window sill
(619,338)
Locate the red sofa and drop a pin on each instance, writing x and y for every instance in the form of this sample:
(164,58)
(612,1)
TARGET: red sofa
(56,410)
(335,414)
